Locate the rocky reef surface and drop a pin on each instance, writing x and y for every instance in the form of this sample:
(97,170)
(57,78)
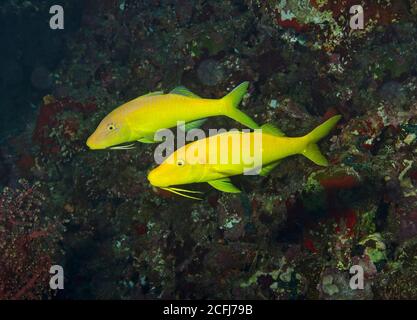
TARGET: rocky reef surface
(292,235)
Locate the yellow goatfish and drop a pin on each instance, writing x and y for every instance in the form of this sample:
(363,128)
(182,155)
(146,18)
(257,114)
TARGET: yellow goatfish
(184,166)
(139,119)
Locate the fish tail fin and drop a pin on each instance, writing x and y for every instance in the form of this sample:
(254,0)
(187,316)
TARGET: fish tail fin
(311,150)
(232,101)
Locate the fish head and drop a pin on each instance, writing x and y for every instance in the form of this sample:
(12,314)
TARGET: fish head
(175,170)
(111,131)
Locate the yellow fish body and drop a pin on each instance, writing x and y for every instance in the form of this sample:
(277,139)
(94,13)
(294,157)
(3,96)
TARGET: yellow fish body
(141,118)
(185,167)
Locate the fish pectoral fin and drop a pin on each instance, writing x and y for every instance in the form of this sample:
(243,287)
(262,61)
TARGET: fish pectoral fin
(146,140)
(273,130)
(267,169)
(183,91)
(194,124)
(224,185)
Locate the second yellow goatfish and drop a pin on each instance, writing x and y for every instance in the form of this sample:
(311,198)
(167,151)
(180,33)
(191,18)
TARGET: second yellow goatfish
(184,167)
(141,118)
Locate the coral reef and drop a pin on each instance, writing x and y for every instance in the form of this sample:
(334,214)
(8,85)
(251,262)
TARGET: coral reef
(291,235)
(28,243)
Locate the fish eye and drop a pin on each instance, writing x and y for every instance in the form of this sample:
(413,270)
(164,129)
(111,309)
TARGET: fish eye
(180,163)
(111,127)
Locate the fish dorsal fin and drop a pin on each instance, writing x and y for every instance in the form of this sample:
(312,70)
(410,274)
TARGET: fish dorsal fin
(194,124)
(271,129)
(267,169)
(183,91)
(155,93)
(224,184)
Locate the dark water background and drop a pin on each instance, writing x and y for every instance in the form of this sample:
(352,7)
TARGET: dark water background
(30,54)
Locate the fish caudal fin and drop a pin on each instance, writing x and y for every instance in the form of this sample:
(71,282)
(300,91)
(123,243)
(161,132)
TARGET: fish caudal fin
(232,101)
(311,150)
(234,97)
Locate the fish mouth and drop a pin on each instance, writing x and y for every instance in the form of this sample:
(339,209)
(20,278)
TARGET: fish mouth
(91,145)
(93,148)
(182,192)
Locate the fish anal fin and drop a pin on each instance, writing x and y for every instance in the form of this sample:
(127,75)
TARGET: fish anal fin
(183,91)
(267,169)
(224,185)
(146,140)
(271,129)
